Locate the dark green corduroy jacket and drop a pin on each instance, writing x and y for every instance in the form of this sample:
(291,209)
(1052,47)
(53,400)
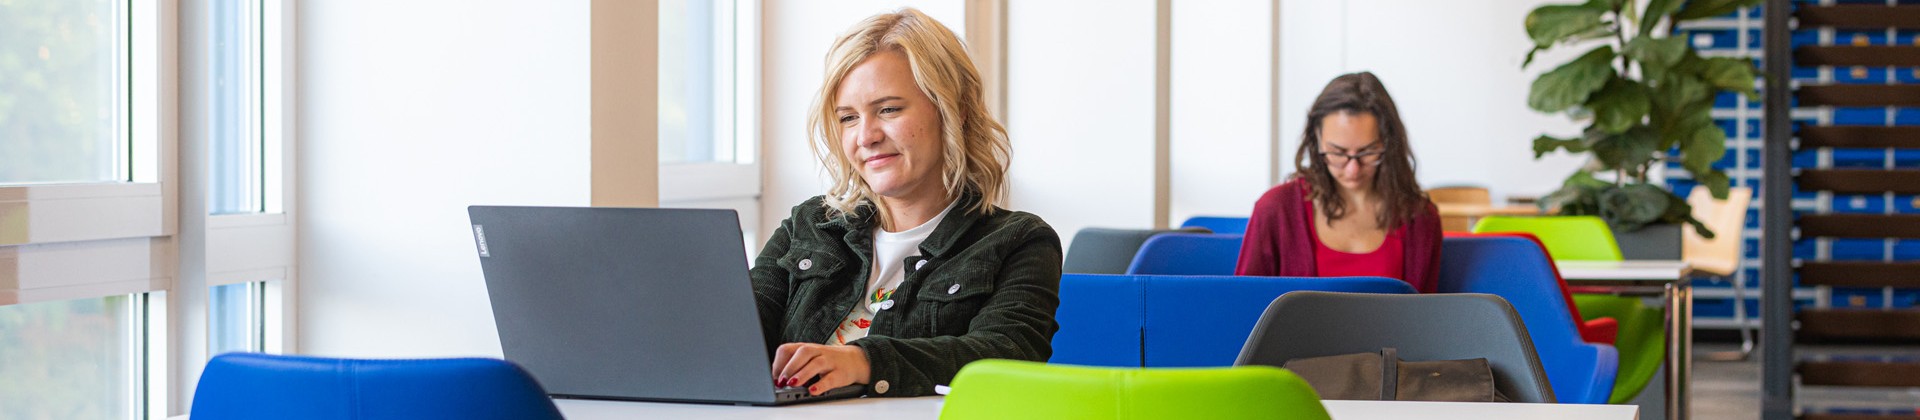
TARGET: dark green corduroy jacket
(988,289)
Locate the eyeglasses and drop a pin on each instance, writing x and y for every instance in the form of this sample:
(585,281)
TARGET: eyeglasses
(1338,159)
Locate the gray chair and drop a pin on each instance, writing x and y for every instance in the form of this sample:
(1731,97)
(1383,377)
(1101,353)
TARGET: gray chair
(1110,251)
(1420,327)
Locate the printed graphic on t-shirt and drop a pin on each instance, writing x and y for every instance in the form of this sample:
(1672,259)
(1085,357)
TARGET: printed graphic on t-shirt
(856,326)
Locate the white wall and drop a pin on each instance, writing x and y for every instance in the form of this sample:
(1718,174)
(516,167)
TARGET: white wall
(1453,68)
(1222,110)
(1080,104)
(795,36)
(411,111)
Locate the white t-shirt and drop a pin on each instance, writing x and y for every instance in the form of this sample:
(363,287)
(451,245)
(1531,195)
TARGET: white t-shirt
(890,253)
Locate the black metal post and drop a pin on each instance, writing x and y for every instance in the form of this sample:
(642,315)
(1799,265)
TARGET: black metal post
(1776,217)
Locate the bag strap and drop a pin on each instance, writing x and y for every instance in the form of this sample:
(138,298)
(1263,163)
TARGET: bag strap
(1389,374)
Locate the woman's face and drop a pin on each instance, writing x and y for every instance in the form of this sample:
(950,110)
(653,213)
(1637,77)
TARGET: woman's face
(889,130)
(1350,142)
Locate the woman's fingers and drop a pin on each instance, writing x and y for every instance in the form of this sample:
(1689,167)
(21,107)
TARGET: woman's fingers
(803,354)
(832,379)
(822,367)
(781,357)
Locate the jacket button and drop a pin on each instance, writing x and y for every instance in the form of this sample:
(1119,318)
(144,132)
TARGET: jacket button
(880,387)
(888,304)
(922,263)
(806,263)
(953,289)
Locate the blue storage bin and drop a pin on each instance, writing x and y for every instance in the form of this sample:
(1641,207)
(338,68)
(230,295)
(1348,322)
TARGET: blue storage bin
(1856,249)
(1859,75)
(1805,249)
(1856,297)
(1859,204)
(1907,116)
(1906,249)
(1860,115)
(1859,158)
(1712,307)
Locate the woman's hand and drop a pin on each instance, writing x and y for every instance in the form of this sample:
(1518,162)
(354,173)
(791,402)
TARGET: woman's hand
(837,366)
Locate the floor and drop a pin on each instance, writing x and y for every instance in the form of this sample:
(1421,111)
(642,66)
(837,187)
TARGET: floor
(1731,390)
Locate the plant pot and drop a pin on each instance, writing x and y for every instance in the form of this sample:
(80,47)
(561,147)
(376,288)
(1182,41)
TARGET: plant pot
(1660,241)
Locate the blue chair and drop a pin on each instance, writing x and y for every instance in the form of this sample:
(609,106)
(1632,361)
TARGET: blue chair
(1518,270)
(1217,224)
(1196,321)
(1108,251)
(258,386)
(1100,317)
(1187,254)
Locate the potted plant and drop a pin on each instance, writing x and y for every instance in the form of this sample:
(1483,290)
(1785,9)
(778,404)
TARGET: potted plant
(1646,97)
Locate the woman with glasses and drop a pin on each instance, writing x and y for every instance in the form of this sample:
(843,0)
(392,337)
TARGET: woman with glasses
(1353,207)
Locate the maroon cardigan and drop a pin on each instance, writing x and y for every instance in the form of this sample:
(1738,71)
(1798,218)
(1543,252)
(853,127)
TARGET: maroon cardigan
(1280,239)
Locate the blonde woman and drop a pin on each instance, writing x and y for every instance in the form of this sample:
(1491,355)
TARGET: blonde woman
(906,269)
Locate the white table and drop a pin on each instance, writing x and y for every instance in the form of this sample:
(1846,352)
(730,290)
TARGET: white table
(929,408)
(1665,278)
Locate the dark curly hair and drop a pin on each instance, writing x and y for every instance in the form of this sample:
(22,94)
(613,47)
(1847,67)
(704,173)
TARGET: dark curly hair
(1362,93)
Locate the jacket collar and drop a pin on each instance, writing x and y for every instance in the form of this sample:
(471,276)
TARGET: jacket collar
(857,225)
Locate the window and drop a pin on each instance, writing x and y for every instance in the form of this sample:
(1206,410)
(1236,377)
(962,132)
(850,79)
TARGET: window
(699,112)
(235,114)
(75,228)
(70,359)
(63,101)
(249,248)
(709,97)
(234,318)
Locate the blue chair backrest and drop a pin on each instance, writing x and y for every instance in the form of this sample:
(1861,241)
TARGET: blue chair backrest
(1205,320)
(256,386)
(1100,317)
(1187,254)
(1217,224)
(1519,271)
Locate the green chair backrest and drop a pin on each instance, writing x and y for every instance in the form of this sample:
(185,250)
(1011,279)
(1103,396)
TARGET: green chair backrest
(1584,238)
(1009,389)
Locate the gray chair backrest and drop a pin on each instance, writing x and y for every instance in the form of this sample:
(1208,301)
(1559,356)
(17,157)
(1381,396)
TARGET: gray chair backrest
(1109,251)
(1420,327)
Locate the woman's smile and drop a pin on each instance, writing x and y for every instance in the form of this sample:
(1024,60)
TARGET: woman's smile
(879,160)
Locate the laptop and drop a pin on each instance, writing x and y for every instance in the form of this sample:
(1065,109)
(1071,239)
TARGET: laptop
(629,304)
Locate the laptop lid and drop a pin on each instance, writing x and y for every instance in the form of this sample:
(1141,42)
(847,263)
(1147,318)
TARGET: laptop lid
(625,303)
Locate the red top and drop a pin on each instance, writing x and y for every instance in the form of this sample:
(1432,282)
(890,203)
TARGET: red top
(1385,261)
(1280,240)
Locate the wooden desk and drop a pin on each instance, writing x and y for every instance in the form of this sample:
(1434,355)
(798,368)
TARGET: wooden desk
(929,408)
(1460,217)
(1665,278)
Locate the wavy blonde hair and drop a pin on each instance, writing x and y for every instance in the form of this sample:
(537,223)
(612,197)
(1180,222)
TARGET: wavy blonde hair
(974,147)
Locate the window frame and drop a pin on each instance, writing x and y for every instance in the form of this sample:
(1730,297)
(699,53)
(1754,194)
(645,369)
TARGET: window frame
(735,184)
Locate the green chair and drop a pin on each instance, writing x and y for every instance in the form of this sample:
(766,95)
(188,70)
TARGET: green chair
(1642,337)
(1009,389)
(1583,238)
(1642,341)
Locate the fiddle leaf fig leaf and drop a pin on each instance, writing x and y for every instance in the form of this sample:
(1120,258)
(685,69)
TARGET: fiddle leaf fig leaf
(1716,182)
(1657,9)
(1620,105)
(1547,144)
(1626,150)
(1551,23)
(1706,144)
(1634,205)
(1730,73)
(1657,52)
(1572,83)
